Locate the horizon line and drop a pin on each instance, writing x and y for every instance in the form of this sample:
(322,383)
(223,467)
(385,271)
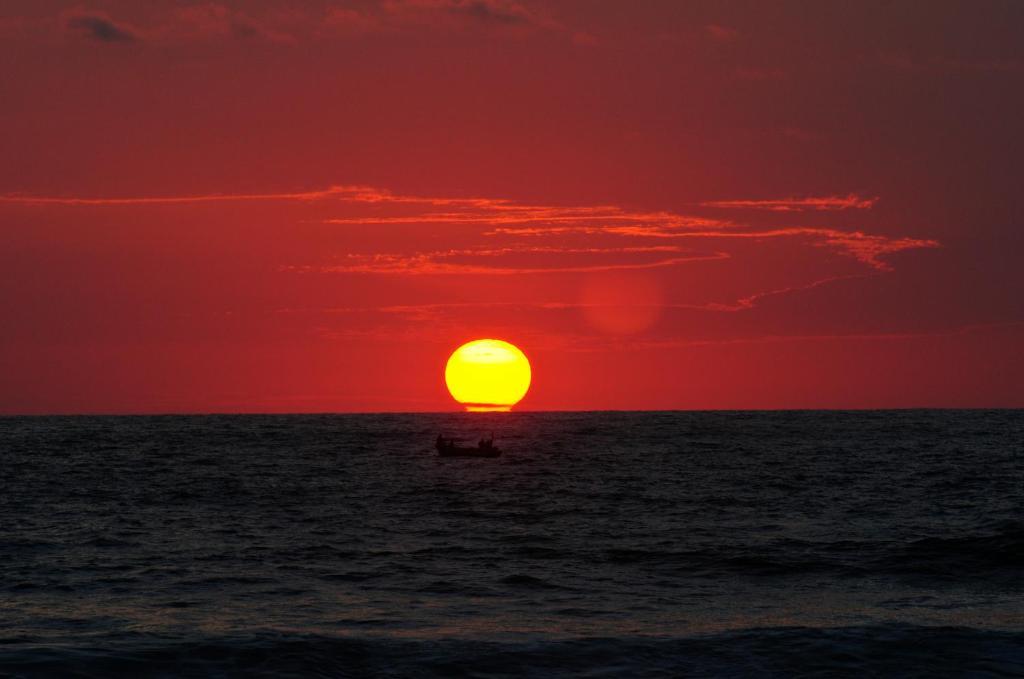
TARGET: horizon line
(343,413)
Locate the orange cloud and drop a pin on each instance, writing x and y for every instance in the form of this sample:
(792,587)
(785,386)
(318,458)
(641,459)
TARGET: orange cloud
(474,262)
(847,202)
(505,219)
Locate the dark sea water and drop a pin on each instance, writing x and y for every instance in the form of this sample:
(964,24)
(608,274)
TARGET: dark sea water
(599,544)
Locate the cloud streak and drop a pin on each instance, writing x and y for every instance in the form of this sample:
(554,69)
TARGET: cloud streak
(216,22)
(848,202)
(866,248)
(393,16)
(357,194)
(219,22)
(502,220)
(489,12)
(475,262)
(436,310)
(100,28)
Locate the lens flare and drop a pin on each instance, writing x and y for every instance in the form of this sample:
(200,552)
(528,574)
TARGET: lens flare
(621,303)
(487,375)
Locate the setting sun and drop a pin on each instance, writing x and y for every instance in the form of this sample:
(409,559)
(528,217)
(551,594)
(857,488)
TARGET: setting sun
(487,375)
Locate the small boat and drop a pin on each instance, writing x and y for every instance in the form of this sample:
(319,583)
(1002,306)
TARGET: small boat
(448,448)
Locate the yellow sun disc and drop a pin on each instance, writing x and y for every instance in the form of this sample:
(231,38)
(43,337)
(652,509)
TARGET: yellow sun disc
(487,375)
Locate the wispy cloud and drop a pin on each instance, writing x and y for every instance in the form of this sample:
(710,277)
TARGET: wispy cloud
(395,16)
(437,310)
(498,214)
(500,219)
(207,22)
(871,249)
(346,20)
(750,301)
(848,202)
(496,262)
(866,248)
(99,27)
(214,21)
(488,12)
(362,194)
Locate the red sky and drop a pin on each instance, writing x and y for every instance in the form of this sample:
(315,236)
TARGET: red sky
(296,207)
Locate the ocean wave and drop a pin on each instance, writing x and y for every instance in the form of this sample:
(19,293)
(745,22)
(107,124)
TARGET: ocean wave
(969,556)
(965,557)
(880,650)
(529,582)
(716,563)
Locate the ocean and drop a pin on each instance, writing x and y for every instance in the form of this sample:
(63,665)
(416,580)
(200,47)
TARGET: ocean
(648,544)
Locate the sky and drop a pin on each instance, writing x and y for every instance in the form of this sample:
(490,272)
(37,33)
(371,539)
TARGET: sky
(269,206)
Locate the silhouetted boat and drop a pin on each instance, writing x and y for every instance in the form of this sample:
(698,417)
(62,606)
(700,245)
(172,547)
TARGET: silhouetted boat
(448,448)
